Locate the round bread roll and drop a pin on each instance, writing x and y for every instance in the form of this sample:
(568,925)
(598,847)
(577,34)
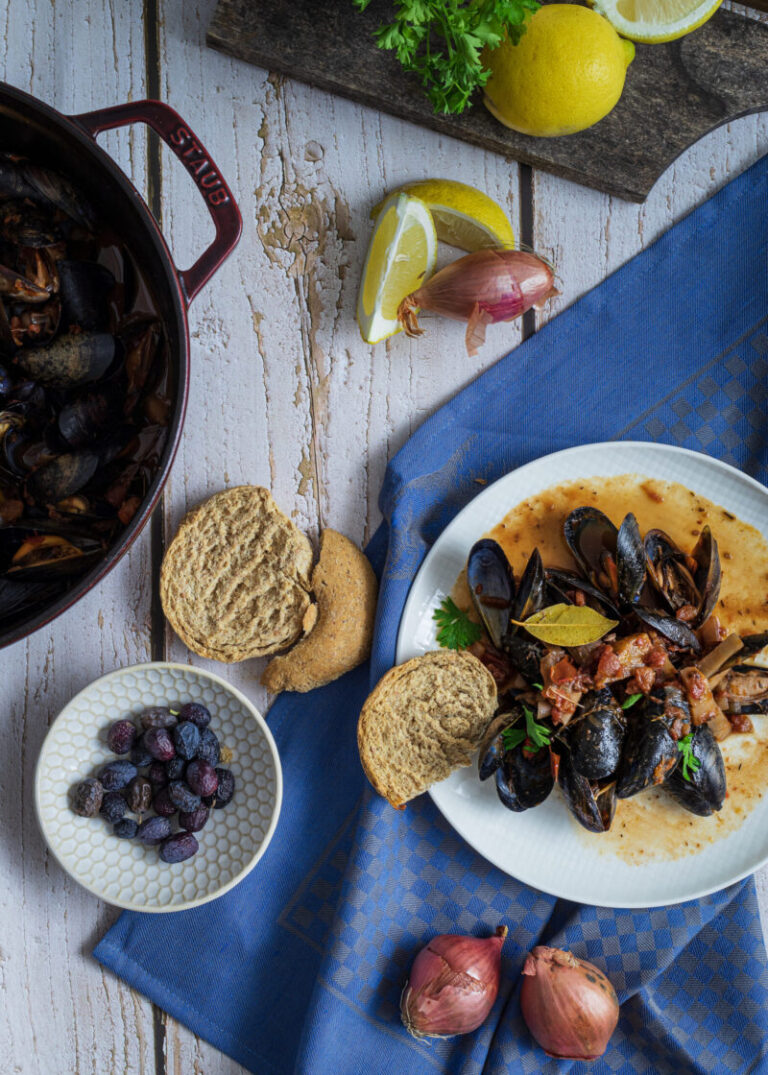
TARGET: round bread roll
(344,587)
(235,579)
(424,719)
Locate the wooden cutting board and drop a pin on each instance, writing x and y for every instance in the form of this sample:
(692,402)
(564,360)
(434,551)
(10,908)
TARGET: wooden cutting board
(674,93)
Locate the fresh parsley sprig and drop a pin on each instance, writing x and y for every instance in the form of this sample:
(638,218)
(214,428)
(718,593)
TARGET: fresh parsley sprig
(455,629)
(537,734)
(630,701)
(441,41)
(690,761)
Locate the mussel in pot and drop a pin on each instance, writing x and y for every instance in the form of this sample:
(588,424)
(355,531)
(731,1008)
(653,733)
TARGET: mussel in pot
(71,360)
(689,586)
(700,787)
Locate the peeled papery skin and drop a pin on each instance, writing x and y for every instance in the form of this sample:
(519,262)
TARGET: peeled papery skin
(481,288)
(569,1006)
(453,984)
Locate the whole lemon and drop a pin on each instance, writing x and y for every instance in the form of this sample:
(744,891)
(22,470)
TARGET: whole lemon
(566,73)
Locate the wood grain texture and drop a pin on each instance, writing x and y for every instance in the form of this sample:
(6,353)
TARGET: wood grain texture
(674,93)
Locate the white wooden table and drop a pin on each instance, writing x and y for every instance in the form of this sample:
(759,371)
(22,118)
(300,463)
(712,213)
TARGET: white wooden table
(283,394)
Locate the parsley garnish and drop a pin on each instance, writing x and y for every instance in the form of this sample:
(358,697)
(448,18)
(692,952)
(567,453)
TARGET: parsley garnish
(441,41)
(689,760)
(629,702)
(536,734)
(455,629)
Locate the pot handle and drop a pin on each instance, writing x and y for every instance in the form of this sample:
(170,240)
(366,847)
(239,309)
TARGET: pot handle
(178,136)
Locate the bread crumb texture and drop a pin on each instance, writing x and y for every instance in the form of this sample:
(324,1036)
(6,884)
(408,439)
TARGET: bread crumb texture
(235,579)
(423,720)
(345,589)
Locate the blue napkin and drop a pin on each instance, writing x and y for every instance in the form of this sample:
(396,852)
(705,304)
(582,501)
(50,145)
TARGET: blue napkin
(300,968)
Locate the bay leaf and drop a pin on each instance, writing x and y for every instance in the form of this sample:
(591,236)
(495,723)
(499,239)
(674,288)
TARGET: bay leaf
(567,625)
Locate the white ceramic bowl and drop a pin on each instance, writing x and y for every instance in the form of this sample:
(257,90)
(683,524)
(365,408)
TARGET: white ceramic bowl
(125,872)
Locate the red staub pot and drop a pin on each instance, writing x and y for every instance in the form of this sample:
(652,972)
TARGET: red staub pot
(67,144)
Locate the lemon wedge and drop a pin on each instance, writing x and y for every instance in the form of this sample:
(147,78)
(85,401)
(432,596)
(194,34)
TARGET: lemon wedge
(464,216)
(653,21)
(400,257)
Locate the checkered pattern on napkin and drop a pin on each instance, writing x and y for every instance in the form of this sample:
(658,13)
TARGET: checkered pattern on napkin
(307,956)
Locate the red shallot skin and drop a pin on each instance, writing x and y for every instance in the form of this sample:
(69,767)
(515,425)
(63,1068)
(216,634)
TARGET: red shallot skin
(481,288)
(569,1006)
(453,984)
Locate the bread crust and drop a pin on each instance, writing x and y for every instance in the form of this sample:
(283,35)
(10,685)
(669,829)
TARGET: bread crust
(234,581)
(423,720)
(345,589)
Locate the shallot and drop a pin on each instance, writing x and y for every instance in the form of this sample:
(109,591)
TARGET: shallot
(453,984)
(481,289)
(570,1007)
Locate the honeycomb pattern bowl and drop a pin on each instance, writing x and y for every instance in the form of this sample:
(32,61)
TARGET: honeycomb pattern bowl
(125,872)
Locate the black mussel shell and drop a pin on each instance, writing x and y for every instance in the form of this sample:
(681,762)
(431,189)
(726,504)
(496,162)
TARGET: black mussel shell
(62,477)
(85,290)
(89,416)
(563,584)
(593,804)
(525,654)
(595,737)
(650,753)
(753,643)
(531,592)
(630,560)
(20,598)
(522,780)
(492,748)
(18,288)
(589,534)
(45,557)
(28,225)
(669,626)
(704,791)
(492,587)
(668,571)
(708,575)
(54,189)
(71,360)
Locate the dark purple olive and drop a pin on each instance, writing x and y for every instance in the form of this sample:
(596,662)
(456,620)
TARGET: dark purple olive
(162,804)
(157,775)
(126,828)
(180,847)
(140,756)
(116,775)
(224,792)
(87,797)
(121,736)
(182,796)
(175,768)
(196,713)
(157,716)
(195,820)
(113,807)
(154,830)
(139,795)
(159,743)
(186,739)
(209,749)
(201,777)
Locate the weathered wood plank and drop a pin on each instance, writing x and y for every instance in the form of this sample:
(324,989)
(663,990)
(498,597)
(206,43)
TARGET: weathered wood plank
(674,94)
(61,1013)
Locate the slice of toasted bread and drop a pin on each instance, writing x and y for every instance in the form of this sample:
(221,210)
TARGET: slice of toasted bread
(235,579)
(344,587)
(424,719)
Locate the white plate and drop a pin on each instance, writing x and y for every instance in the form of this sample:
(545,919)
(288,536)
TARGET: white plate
(540,847)
(126,872)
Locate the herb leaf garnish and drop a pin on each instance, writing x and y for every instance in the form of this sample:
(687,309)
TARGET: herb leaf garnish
(630,701)
(567,625)
(455,629)
(537,734)
(690,762)
(441,41)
